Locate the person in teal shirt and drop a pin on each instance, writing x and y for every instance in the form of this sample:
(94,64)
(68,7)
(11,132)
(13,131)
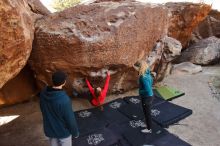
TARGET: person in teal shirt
(145,92)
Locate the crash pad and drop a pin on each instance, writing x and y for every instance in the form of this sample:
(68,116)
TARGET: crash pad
(168,93)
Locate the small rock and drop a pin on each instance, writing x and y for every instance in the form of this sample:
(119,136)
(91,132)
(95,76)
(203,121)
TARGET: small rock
(186,68)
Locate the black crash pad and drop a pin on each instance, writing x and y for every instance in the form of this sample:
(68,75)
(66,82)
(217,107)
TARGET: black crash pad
(136,100)
(132,133)
(93,119)
(111,113)
(121,142)
(115,104)
(88,121)
(96,125)
(169,140)
(103,137)
(168,113)
(164,114)
(132,112)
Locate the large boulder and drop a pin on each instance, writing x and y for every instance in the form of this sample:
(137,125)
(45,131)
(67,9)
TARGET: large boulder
(19,89)
(165,51)
(204,52)
(184,18)
(38,8)
(208,27)
(87,40)
(17,33)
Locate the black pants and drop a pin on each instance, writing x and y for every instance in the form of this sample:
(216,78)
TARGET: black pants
(146,105)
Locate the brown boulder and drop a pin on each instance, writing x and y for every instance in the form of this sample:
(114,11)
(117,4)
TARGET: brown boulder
(86,40)
(208,27)
(17,32)
(204,52)
(184,18)
(37,7)
(165,51)
(19,89)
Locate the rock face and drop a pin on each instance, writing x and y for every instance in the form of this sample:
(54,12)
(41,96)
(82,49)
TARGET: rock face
(86,40)
(208,27)
(38,8)
(184,18)
(186,68)
(17,32)
(19,89)
(204,52)
(167,50)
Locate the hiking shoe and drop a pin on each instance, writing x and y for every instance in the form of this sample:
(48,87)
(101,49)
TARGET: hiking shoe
(146,131)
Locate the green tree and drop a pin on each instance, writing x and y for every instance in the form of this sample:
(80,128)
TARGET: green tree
(60,5)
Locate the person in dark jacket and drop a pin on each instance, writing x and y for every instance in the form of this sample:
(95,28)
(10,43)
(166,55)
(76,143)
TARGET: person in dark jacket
(58,117)
(145,92)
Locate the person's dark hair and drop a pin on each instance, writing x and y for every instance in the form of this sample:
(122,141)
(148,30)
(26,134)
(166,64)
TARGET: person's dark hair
(58,78)
(97,92)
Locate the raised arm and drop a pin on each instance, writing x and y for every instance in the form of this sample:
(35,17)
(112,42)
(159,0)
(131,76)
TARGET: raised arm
(89,86)
(104,91)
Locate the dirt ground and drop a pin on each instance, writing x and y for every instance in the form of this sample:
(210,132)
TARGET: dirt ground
(202,128)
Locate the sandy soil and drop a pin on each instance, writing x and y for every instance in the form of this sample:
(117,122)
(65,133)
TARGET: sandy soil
(202,128)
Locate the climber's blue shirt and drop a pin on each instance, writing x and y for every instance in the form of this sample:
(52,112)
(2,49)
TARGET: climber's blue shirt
(58,117)
(145,84)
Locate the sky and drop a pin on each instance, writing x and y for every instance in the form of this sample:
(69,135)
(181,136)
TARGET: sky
(215,3)
(47,3)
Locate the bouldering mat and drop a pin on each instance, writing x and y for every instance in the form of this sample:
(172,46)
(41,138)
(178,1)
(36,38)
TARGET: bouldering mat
(132,112)
(117,125)
(169,139)
(93,119)
(168,93)
(102,137)
(111,111)
(168,113)
(136,100)
(88,121)
(164,114)
(134,136)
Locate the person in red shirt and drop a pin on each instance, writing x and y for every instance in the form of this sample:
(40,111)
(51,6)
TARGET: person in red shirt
(99,94)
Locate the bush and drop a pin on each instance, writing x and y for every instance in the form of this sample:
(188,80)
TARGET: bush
(60,5)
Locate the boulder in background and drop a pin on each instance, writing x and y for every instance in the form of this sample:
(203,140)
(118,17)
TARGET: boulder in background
(184,18)
(204,52)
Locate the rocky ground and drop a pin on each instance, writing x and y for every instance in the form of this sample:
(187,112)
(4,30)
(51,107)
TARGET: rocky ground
(200,129)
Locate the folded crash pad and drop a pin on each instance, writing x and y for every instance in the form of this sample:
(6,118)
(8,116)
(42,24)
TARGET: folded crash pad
(168,93)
